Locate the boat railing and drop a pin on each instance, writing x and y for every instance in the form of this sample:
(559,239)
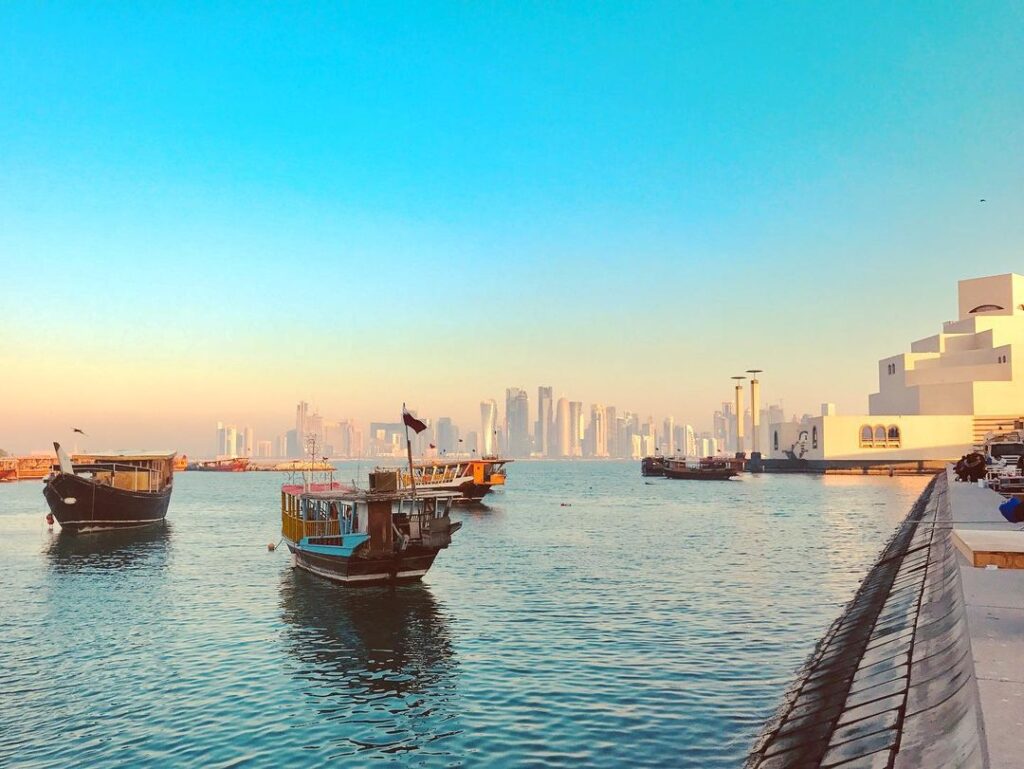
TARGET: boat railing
(295,528)
(110,473)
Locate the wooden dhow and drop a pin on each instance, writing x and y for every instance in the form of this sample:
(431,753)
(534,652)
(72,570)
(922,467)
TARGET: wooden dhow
(109,491)
(384,534)
(471,479)
(706,469)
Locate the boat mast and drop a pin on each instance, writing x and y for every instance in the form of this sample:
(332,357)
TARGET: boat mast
(408,448)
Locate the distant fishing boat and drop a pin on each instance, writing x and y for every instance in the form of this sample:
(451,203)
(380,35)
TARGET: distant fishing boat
(226,465)
(109,491)
(8,469)
(706,469)
(472,479)
(362,537)
(652,466)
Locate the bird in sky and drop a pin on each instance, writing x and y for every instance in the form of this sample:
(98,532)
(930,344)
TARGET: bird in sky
(78,430)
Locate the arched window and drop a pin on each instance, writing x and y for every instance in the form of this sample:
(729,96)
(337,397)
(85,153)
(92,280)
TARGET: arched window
(893,436)
(775,441)
(865,437)
(879,435)
(986,308)
(814,437)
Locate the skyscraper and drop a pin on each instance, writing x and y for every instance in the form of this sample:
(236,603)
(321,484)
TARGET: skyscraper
(612,427)
(576,428)
(545,423)
(488,427)
(447,436)
(222,440)
(563,431)
(598,437)
(231,442)
(689,441)
(668,440)
(517,422)
(248,442)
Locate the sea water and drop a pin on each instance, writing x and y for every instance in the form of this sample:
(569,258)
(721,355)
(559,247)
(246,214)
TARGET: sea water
(585,616)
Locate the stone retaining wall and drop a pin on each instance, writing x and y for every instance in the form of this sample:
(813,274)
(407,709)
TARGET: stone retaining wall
(892,682)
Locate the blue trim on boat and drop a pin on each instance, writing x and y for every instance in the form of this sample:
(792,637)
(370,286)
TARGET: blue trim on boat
(348,545)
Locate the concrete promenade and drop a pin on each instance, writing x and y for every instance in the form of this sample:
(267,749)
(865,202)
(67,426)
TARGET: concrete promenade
(925,667)
(995,620)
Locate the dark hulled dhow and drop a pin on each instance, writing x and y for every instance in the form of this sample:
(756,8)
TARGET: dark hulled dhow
(110,491)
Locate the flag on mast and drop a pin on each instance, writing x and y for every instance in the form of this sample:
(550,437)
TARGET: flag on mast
(413,422)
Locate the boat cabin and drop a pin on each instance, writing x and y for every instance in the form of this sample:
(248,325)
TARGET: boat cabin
(143,472)
(336,519)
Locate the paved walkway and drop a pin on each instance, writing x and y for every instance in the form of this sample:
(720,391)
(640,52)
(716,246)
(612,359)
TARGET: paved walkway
(995,619)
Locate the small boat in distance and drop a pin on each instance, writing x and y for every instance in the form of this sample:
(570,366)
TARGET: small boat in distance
(224,465)
(109,491)
(652,466)
(364,537)
(706,469)
(472,479)
(8,469)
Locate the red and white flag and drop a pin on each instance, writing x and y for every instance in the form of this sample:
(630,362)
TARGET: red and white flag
(413,422)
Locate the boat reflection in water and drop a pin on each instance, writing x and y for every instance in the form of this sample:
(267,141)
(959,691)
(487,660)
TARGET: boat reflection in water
(379,659)
(115,549)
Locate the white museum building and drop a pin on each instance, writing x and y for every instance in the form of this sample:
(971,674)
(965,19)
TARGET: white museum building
(935,402)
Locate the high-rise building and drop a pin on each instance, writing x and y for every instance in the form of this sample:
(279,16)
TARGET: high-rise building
(517,422)
(612,426)
(563,429)
(545,423)
(668,440)
(689,441)
(471,443)
(301,414)
(576,428)
(488,428)
(222,440)
(231,441)
(447,436)
(249,442)
(264,449)
(598,434)
(281,447)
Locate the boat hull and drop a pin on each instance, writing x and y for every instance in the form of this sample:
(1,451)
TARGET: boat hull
(99,506)
(356,570)
(701,475)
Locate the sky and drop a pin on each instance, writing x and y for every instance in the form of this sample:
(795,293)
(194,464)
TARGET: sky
(211,211)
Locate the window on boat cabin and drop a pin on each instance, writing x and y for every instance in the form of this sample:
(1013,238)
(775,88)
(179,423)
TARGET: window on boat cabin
(814,437)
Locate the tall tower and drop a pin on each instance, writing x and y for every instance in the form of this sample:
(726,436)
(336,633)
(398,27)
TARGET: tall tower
(517,422)
(545,421)
(755,410)
(576,427)
(563,431)
(740,447)
(488,428)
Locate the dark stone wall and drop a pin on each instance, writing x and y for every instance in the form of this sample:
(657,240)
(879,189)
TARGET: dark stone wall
(892,682)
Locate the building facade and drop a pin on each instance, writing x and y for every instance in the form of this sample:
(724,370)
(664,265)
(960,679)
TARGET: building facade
(935,402)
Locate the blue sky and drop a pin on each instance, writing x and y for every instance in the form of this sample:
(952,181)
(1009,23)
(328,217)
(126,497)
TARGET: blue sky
(247,205)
